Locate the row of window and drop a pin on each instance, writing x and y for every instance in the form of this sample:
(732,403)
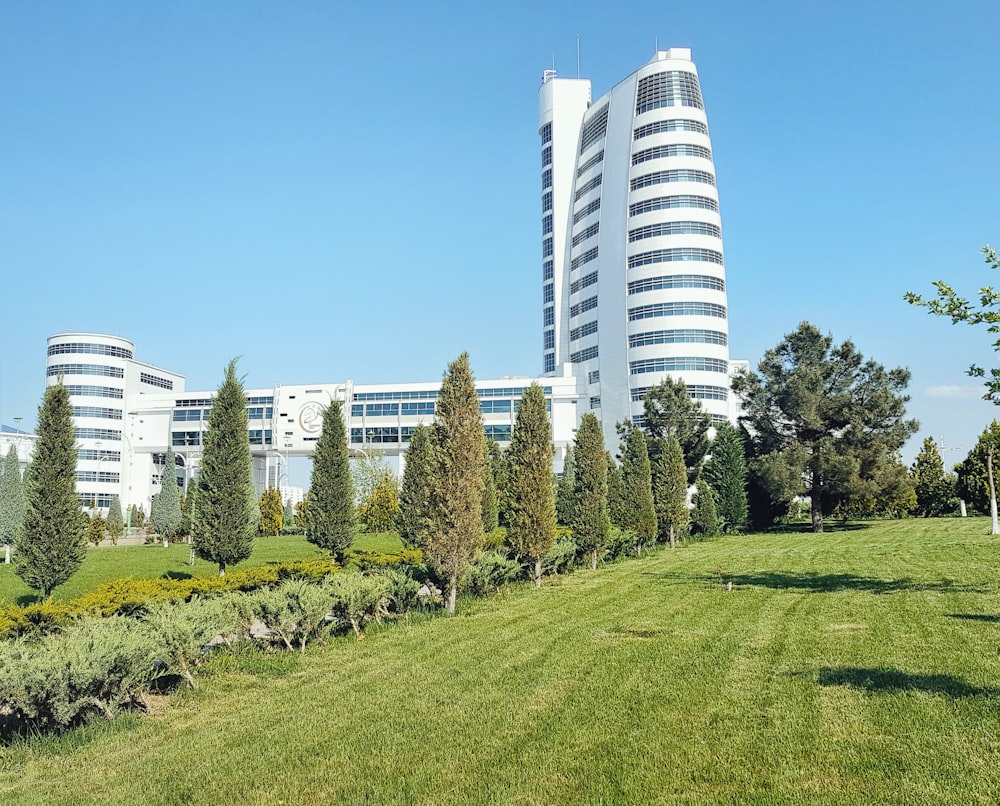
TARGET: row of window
(594,376)
(97,411)
(97,433)
(678,364)
(675,175)
(101,477)
(548,271)
(268,400)
(683,336)
(84,369)
(583,282)
(698,391)
(583,355)
(261,437)
(190,415)
(582,307)
(673,203)
(588,186)
(594,128)
(260,412)
(675,125)
(393,435)
(550,362)
(672,150)
(546,201)
(547,247)
(548,293)
(548,316)
(155,380)
(581,260)
(549,340)
(677,309)
(89,349)
(583,330)
(193,401)
(421,394)
(680,254)
(592,207)
(671,281)
(546,178)
(674,228)
(589,232)
(590,163)
(672,88)
(546,133)
(546,156)
(94,455)
(85,390)
(547,224)
(393,409)
(99,500)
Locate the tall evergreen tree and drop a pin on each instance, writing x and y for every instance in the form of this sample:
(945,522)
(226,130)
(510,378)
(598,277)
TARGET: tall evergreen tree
(590,521)
(272,513)
(167,514)
(330,514)
(458,474)
(223,523)
(638,511)
(973,484)
(115,522)
(289,519)
(934,489)
(51,544)
(11,498)
(616,493)
(669,410)
(416,511)
(566,490)
(670,492)
(704,519)
(380,510)
(491,499)
(532,529)
(726,474)
(496,459)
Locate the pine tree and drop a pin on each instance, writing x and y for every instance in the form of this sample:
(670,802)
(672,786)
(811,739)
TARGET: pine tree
(458,478)
(532,529)
(638,511)
(330,515)
(96,528)
(616,493)
(416,515)
(726,474)
(167,515)
(670,492)
(566,490)
(187,509)
(11,498)
(491,502)
(272,513)
(497,461)
(669,410)
(289,519)
(590,521)
(704,520)
(115,523)
(973,484)
(223,524)
(51,545)
(935,491)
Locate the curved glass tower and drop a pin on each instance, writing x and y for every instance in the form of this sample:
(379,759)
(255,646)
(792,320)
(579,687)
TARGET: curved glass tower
(634,282)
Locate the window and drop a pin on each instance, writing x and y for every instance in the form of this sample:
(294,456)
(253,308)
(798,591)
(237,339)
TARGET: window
(97,433)
(592,207)
(547,271)
(677,309)
(260,412)
(261,437)
(674,256)
(583,330)
(498,433)
(589,232)
(102,500)
(421,394)
(674,228)
(194,401)
(508,391)
(382,410)
(580,260)
(594,128)
(698,391)
(416,409)
(587,186)
(496,406)
(406,433)
(190,415)
(676,281)
(97,411)
(546,133)
(547,225)
(676,125)
(155,380)
(595,403)
(550,363)
(672,88)
(357,410)
(84,369)
(673,150)
(583,307)
(548,293)
(90,455)
(547,250)
(81,390)
(687,336)
(673,202)
(100,477)
(549,340)
(181,438)
(548,317)
(594,376)
(687,364)
(597,159)
(265,400)
(583,282)
(675,175)
(89,349)
(546,156)
(584,355)
(546,201)
(546,178)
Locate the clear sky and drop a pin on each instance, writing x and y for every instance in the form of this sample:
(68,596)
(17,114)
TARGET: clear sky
(334,190)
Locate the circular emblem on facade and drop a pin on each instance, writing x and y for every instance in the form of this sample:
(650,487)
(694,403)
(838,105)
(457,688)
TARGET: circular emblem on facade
(311,417)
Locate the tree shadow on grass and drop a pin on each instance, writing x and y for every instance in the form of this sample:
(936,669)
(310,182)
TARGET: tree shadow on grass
(26,599)
(176,575)
(976,617)
(806,527)
(824,583)
(879,681)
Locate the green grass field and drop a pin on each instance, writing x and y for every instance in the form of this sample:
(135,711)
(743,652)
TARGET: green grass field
(858,666)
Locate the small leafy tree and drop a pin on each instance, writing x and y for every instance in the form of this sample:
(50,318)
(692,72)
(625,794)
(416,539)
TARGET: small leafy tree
(670,492)
(115,523)
(11,498)
(379,511)
(167,513)
(289,519)
(300,511)
(638,511)
(96,528)
(726,474)
(272,513)
(416,514)
(590,521)
(330,515)
(138,516)
(704,520)
(566,490)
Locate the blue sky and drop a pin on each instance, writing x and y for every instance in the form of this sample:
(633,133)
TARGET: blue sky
(338,191)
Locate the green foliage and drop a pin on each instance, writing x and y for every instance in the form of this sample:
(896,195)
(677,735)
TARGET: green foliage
(834,420)
(973,484)
(934,489)
(416,515)
(330,514)
(670,492)
(181,630)
(368,468)
(272,513)
(96,528)
(726,474)
(616,493)
(288,520)
(590,521)
(458,478)
(138,518)
(296,611)
(359,598)
(379,510)
(490,571)
(670,411)
(566,490)
(166,515)
(951,306)
(367,560)
(11,498)
(223,523)
(301,507)
(115,522)
(532,528)
(704,519)
(498,466)
(491,499)
(561,555)
(51,544)
(638,513)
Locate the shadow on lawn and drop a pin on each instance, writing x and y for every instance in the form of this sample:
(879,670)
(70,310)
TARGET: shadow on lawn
(825,583)
(976,617)
(879,681)
(176,575)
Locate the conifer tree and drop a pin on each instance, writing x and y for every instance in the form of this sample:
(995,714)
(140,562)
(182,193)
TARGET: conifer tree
(726,474)
(616,493)
(416,514)
(458,478)
(590,521)
(289,519)
(272,513)
(330,514)
(934,489)
(11,498)
(115,523)
(566,490)
(704,520)
(167,514)
(670,492)
(498,465)
(223,523)
(380,510)
(491,501)
(96,527)
(638,512)
(532,529)
(51,544)
(669,410)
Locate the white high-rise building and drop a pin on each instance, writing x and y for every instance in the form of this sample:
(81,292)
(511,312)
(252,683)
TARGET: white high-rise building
(634,282)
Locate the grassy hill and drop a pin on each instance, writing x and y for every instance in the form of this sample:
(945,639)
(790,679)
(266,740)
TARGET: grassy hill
(858,666)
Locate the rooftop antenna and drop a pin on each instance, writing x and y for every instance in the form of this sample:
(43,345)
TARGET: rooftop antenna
(656,44)
(577,55)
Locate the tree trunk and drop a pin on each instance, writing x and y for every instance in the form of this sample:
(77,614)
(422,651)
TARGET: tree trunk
(593,560)
(6,554)
(538,573)
(449,605)
(673,537)
(222,569)
(994,525)
(816,504)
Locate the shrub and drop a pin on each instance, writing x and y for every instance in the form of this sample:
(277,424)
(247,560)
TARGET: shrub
(492,570)
(181,631)
(562,556)
(621,543)
(359,598)
(296,611)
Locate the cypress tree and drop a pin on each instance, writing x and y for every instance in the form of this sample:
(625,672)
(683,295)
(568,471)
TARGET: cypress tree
(223,524)
(167,514)
(726,474)
(616,493)
(416,516)
(272,513)
(458,478)
(330,514)
(590,494)
(11,498)
(116,524)
(491,501)
(638,511)
(96,528)
(670,492)
(566,490)
(532,529)
(51,544)
(704,520)
(498,464)
(289,519)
